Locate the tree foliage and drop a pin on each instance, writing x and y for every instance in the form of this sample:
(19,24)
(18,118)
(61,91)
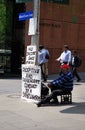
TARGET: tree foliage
(2,23)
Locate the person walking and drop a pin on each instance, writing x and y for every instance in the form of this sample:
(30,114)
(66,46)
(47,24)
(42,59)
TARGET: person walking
(65,57)
(64,83)
(75,64)
(43,61)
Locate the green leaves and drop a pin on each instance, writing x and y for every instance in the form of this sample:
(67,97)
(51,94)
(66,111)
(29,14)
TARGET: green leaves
(2,22)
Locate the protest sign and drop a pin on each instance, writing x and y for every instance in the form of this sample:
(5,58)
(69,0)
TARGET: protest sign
(31,55)
(31,83)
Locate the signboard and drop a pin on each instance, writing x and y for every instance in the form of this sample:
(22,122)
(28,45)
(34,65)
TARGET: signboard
(57,1)
(31,83)
(32,26)
(22,1)
(31,55)
(25,15)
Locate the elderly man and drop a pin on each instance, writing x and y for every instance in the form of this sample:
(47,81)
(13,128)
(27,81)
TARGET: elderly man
(64,83)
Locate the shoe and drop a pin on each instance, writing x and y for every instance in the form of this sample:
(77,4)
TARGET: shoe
(39,104)
(45,81)
(78,80)
(54,102)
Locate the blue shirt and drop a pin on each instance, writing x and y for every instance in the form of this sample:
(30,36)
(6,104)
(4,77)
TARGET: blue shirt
(41,56)
(65,80)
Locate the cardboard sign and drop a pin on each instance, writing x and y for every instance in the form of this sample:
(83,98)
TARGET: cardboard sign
(31,55)
(31,83)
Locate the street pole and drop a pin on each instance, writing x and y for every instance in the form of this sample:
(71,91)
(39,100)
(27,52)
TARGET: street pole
(35,38)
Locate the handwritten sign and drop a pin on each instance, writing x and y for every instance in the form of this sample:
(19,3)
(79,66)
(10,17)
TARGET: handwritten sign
(31,83)
(31,55)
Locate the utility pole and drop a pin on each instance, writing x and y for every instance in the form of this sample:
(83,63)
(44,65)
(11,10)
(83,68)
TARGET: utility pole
(35,38)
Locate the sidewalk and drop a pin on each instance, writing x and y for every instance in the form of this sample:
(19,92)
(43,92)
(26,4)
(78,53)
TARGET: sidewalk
(82,76)
(16,114)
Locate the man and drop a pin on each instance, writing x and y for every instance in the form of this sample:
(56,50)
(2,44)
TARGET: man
(65,57)
(43,61)
(64,83)
(75,65)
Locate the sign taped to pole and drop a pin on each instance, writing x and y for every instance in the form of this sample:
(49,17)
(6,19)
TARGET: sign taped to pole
(32,26)
(31,55)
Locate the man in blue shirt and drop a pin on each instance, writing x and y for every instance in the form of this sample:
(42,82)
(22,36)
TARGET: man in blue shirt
(64,83)
(43,62)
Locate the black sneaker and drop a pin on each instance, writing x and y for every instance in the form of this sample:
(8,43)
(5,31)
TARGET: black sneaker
(78,80)
(54,102)
(39,104)
(45,81)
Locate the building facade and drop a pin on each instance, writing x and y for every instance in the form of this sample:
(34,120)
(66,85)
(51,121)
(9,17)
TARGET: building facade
(61,22)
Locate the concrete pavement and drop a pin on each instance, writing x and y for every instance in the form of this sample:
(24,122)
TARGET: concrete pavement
(16,114)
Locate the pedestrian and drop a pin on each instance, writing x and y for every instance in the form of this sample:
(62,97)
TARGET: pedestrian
(65,57)
(43,57)
(64,83)
(76,62)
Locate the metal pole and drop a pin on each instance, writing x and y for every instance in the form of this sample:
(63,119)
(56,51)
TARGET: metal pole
(35,38)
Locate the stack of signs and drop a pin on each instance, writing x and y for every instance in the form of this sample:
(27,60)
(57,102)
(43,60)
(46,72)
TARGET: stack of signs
(31,77)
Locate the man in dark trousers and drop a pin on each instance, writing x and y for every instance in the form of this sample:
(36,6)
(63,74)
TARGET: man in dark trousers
(64,83)
(43,62)
(75,65)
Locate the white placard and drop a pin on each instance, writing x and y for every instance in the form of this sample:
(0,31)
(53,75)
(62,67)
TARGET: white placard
(32,26)
(31,55)
(31,83)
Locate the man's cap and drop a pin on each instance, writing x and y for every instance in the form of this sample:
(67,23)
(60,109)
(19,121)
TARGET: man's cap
(65,66)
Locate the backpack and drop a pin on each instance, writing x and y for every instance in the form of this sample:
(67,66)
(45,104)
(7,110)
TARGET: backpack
(78,61)
(47,56)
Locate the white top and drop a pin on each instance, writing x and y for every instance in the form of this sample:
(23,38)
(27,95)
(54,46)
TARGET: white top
(65,56)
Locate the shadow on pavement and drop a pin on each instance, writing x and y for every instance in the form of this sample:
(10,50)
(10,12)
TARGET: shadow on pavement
(74,108)
(77,108)
(55,105)
(10,76)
